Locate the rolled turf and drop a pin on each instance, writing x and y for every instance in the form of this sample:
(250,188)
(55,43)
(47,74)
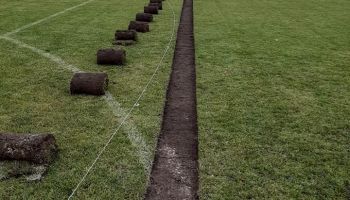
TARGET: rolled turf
(89,83)
(36,148)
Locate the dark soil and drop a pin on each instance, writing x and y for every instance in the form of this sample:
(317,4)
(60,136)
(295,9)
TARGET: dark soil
(175,169)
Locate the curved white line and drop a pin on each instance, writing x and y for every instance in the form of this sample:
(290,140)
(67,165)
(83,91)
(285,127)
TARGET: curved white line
(54,58)
(144,151)
(133,135)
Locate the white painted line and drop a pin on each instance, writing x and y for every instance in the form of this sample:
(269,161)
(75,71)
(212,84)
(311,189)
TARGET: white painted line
(42,53)
(144,151)
(133,135)
(136,139)
(45,19)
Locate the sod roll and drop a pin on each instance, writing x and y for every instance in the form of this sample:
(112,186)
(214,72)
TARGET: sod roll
(89,83)
(151,10)
(126,35)
(139,26)
(111,56)
(159,5)
(35,148)
(144,17)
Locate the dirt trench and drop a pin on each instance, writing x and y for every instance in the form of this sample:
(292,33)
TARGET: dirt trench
(175,169)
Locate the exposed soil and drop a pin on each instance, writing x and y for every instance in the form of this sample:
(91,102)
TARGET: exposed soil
(175,169)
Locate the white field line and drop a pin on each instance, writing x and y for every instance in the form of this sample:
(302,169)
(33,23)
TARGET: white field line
(135,138)
(45,19)
(143,150)
(42,53)
(132,108)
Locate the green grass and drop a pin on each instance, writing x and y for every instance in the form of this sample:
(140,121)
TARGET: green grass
(35,94)
(273,98)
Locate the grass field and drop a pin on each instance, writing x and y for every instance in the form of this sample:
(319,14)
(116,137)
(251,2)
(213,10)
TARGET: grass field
(35,94)
(274,98)
(273,84)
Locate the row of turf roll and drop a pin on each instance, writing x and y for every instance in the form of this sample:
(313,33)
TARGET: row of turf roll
(90,83)
(41,149)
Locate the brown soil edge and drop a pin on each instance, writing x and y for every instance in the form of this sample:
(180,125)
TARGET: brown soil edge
(175,169)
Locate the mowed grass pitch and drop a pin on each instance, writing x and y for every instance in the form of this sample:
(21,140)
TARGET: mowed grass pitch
(35,95)
(274,98)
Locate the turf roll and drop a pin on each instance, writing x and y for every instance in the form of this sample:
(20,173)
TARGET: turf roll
(139,26)
(35,148)
(151,10)
(159,5)
(144,17)
(89,83)
(126,35)
(111,56)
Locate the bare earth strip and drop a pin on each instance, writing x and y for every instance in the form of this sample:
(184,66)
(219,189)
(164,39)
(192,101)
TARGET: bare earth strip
(175,169)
